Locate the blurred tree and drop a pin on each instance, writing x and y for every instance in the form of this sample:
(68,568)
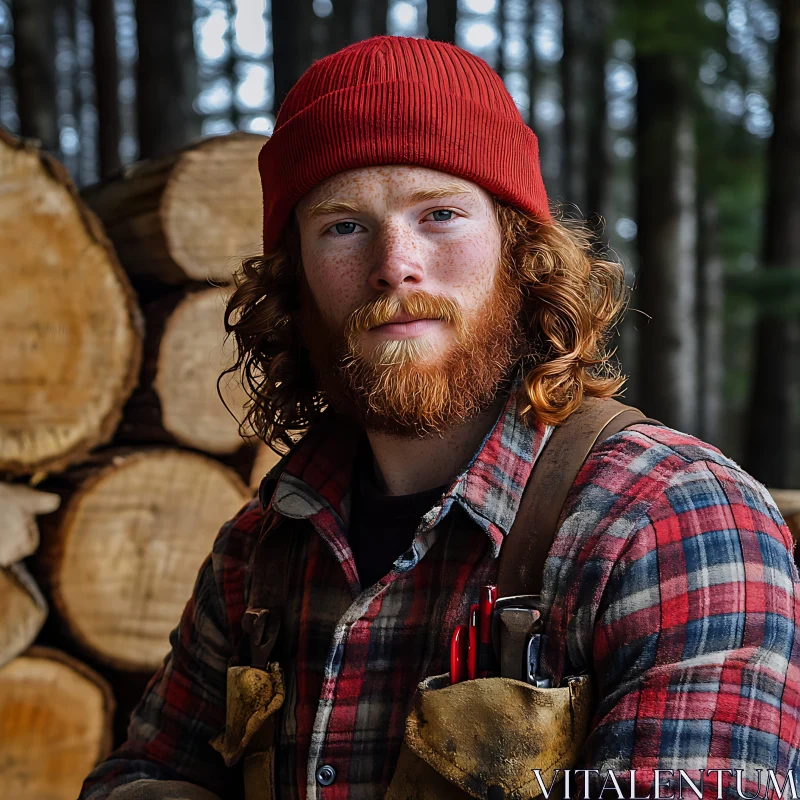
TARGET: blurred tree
(710,314)
(292,46)
(166,76)
(370,18)
(666,212)
(342,29)
(598,157)
(35,71)
(574,80)
(442,16)
(768,454)
(533,63)
(106,77)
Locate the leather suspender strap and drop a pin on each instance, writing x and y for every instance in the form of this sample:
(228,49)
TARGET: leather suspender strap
(523,554)
(268,591)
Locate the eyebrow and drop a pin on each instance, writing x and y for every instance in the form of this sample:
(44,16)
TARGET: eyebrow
(449,189)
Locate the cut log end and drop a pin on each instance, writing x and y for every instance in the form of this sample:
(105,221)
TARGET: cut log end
(71,340)
(788,502)
(213,206)
(55,724)
(122,556)
(191,357)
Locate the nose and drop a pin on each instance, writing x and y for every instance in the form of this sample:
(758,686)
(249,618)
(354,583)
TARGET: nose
(397,260)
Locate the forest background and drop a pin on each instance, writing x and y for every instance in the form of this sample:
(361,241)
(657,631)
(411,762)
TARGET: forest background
(672,127)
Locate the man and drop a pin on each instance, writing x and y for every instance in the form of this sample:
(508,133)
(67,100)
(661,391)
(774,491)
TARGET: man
(421,313)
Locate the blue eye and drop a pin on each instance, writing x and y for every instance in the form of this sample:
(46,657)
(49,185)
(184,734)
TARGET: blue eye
(344,228)
(437,218)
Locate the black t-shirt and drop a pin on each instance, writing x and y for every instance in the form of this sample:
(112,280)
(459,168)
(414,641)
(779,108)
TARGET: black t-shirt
(382,526)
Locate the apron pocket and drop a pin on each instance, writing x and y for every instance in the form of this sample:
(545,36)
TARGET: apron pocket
(484,738)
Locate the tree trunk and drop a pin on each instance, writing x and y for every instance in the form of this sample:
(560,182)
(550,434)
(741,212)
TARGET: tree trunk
(106,78)
(166,76)
(55,725)
(534,76)
(120,557)
(711,308)
(23,611)
(35,72)
(666,243)
(71,343)
(598,157)
(442,17)
(176,401)
(188,216)
(378,12)
(769,442)
(292,44)
(342,27)
(573,99)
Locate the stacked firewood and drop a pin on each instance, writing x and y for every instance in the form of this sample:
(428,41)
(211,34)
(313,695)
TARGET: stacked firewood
(112,314)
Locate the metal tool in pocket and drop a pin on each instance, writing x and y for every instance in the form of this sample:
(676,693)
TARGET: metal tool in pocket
(535,675)
(516,636)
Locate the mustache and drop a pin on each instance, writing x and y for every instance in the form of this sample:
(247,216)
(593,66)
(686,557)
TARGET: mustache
(419,305)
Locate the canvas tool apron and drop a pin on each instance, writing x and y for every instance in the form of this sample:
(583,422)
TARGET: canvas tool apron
(480,738)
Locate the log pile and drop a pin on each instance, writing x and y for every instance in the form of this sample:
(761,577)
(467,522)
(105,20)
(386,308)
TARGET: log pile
(112,346)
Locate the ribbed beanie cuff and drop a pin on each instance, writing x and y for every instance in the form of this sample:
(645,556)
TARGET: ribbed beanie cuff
(393,100)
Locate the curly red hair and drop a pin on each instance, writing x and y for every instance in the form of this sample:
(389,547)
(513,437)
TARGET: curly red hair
(573,297)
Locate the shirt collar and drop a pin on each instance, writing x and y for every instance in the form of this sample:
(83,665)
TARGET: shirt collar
(315,477)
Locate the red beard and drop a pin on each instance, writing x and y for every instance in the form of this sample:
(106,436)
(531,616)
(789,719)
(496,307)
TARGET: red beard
(402,388)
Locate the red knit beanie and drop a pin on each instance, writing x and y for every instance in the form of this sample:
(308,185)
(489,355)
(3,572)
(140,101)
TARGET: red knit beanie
(397,100)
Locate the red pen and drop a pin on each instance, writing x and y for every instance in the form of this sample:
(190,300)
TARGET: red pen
(488,595)
(458,654)
(472,652)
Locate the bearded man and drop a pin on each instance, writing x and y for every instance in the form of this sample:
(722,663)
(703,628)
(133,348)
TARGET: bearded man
(421,314)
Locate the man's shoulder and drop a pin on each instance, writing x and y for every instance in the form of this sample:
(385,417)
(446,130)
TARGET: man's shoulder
(649,463)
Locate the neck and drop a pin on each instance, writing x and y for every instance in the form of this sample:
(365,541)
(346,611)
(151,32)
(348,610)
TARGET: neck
(408,466)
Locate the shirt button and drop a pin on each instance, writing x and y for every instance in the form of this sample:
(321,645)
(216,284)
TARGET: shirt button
(326,775)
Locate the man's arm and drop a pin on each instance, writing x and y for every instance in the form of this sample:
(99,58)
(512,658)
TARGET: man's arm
(695,643)
(183,706)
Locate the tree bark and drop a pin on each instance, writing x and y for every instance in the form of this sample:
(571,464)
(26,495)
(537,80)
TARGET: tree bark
(378,12)
(770,435)
(573,99)
(442,18)
(35,72)
(598,156)
(71,343)
(342,26)
(534,76)
(55,724)
(188,216)
(121,555)
(667,221)
(166,76)
(711,309)
(292,45)
(106,79)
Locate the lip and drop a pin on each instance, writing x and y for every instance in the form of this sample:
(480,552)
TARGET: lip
(404,327)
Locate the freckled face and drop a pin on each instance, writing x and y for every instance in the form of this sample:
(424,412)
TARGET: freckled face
(397,230)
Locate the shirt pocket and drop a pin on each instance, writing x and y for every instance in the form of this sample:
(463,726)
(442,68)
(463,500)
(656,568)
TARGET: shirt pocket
(485,738)
(253,697)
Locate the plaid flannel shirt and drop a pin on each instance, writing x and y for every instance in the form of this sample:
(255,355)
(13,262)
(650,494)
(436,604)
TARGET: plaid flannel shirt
(670,580)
